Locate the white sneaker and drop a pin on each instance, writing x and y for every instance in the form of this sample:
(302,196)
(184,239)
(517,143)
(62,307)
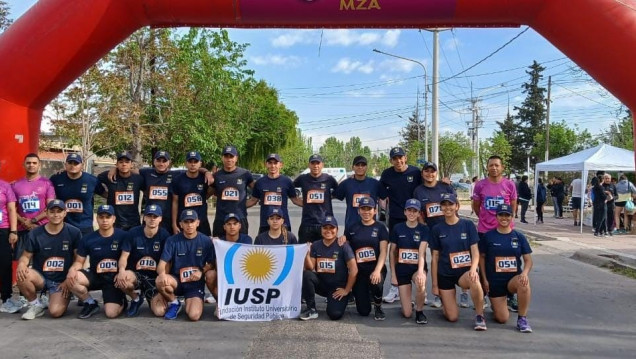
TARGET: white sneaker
(392,296)
(486,302)
(13,305)
(425,299)
(33,312)
(210,299)
(44,299)
(463,300)
(437,302)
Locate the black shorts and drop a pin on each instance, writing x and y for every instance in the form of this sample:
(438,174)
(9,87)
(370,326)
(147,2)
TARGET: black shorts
(190,290)
(448,282)
(146,284)
(498,288)
(405,278)
(620,204)
(576,203)
(110,294)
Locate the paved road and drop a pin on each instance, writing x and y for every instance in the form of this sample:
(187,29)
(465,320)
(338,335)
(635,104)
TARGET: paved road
(578,310)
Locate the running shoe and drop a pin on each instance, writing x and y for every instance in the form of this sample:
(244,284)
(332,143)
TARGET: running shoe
(480,323)
(425,299)
(34,311)
(88,310)
(173,311)
(133,310)
(486,302)
(392,296)
(44,299)
(437,302)
(13,305)
(523,326)
(420,318)
(210,299)
(513,306)
(463,300)
(308,314)
(379,313)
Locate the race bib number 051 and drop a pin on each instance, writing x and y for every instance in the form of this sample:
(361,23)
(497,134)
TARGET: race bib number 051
(316,196)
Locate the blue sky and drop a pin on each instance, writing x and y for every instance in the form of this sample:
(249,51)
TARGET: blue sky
(339,87)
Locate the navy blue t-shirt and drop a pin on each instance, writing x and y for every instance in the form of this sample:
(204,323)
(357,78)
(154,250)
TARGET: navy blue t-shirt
(124,195)
(158,191)
(503,254)
(144,252)
(352,191)
(331,263)
(400,187)
(231,192)
(365,243)
(186,255)
(274,192)
(53,254)
(265,239)
(453,243)
(192,194)
(430,198)
(316,197)
(78,196)
(407,241)
(104,252)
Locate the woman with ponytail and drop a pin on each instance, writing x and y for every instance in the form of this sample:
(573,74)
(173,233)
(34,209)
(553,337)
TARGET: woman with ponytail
(277,233)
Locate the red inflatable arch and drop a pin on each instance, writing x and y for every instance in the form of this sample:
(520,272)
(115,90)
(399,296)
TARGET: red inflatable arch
(57,40)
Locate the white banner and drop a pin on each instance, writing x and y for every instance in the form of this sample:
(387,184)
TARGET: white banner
(259,283)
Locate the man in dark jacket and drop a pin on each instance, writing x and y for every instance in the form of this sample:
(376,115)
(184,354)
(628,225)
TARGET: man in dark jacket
(525,194)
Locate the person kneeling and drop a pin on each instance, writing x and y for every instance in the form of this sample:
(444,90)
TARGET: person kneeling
(500,266)
(455,258)
(330,271)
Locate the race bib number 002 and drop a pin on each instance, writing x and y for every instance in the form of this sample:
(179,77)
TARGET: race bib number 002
(53,264)
(107,265)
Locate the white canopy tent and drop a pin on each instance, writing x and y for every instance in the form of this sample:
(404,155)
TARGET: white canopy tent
(600,158)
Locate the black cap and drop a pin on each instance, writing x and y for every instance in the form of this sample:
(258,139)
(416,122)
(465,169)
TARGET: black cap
(360,159)
(162,154)
(124,154)
(315,158)
(397,151)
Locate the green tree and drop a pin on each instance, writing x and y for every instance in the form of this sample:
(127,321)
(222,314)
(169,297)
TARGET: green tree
(296,154)
(564,140)
(332,152)
(620,134)
(530,117)
(353,148)
(5,13)
(377,164)
(454,151)
(413,139)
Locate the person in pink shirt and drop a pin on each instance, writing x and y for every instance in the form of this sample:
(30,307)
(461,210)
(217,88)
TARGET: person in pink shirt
(8,237)
(32,192)
(488,194)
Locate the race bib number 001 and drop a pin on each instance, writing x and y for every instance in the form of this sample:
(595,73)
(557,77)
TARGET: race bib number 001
(326,265)
(408,256)
(53,264)
(460,259)
(365,254)
(505,264)
(74,206)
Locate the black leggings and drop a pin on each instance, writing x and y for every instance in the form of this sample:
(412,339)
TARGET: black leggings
(312,286)
(363,290)
(560,205)
(600,219)
(540,211)
(524,209)
(6,269)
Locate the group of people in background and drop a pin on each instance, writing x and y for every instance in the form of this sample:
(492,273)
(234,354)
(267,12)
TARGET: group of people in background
(165,251)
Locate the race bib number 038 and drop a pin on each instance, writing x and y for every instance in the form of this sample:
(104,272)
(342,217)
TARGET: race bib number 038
(53,264)
(505,264)
(408,256)
(273,199)
(326,265)
(460,259)
(365,254)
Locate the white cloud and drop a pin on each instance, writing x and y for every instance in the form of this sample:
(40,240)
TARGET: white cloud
(339,37)
(347,66)
(276,60)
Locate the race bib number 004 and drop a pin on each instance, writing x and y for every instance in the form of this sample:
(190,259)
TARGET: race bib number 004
(107,265)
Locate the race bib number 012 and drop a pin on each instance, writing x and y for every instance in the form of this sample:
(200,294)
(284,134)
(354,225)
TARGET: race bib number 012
(126,198)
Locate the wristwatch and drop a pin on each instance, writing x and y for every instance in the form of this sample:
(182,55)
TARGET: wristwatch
(13,232)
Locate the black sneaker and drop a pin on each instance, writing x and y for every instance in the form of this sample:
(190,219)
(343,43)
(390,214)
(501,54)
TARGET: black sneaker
(308,314)
(379,313)
(133,310)
(88,310)
(420,318)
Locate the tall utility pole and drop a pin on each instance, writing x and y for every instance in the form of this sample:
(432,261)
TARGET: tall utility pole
(435,111)
(547,121)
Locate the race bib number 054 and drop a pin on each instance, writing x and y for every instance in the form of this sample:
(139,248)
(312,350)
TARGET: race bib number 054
(505,264)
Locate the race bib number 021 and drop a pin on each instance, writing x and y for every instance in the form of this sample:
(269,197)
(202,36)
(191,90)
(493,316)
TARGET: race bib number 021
(460,259)
(230,194)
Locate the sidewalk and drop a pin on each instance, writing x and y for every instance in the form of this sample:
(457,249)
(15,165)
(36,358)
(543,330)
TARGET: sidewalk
(562,235)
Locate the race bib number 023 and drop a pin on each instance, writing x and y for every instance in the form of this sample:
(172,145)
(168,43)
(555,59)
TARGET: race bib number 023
(408,256)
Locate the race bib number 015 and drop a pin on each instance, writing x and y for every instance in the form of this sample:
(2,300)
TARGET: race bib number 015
(505,264)
(408,256)
(460,259)
(326,265)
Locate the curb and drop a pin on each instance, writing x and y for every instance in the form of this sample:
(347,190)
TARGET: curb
(605,260)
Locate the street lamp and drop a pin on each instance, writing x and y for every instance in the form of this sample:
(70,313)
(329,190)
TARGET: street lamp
(477,122)
(425,104)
